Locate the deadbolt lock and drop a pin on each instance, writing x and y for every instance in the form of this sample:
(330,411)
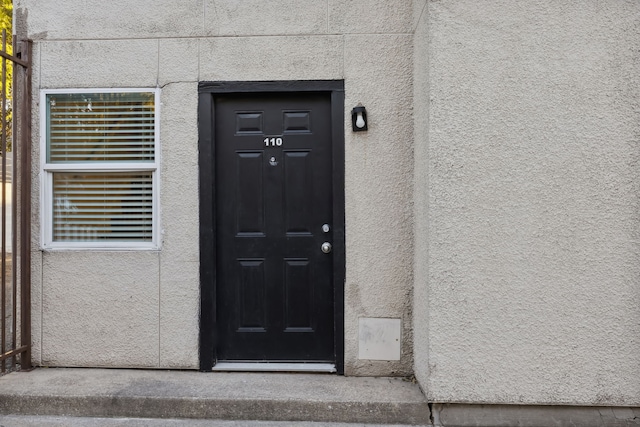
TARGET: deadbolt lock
(326,247)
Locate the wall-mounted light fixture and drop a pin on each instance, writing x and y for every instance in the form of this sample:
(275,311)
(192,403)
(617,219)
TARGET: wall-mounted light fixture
(359,118)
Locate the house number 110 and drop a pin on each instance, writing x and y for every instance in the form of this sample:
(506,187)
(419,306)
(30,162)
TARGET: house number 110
(273,142)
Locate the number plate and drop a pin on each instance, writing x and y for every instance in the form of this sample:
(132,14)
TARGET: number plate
(273,141)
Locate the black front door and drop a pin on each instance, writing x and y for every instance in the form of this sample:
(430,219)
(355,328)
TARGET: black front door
(274,208)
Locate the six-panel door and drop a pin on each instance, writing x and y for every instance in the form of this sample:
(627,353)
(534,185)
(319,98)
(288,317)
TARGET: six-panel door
(273,201)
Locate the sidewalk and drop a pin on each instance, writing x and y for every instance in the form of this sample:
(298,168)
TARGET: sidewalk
(169,397)
(35,421)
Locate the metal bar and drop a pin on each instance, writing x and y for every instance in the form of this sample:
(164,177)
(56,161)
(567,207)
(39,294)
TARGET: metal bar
(25,212)
(15,59)
(14,205)
(20,138)
(3,131)
(13,353)
(3,138)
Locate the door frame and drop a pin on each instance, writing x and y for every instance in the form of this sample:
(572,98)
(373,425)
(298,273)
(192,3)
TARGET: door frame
(207,92)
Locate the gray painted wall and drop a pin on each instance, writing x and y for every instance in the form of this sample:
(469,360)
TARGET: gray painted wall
(527,202)
(421,185)
(140,309)
(521,269)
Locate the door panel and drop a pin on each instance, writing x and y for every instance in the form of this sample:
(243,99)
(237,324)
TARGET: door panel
(273,175)
(297,197)
(250,186)
(251,294)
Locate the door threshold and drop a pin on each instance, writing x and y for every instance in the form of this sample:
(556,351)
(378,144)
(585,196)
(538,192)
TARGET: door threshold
(274,367)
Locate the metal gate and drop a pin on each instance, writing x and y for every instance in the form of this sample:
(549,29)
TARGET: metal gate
(15,206)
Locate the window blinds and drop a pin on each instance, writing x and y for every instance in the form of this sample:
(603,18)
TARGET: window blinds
(102,206)
(101,165)
(105,127)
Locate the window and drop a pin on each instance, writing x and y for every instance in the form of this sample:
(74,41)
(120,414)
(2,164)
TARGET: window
(100,164)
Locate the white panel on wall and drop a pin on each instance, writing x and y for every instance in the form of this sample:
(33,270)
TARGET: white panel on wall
(379,339)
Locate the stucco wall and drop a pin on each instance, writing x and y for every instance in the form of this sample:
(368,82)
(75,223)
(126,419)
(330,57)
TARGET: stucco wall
(523,180)
(421,191)
(151,43)
(532,257)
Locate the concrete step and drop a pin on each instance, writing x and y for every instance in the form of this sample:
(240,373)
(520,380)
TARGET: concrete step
(40,421)
(155,394)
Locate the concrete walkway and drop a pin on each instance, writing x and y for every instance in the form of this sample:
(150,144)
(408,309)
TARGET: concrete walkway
(34,421)
(167,398)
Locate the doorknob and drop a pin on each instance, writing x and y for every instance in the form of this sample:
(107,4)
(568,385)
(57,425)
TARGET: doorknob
(326,247)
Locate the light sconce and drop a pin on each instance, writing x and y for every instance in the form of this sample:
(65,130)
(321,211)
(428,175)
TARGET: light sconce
(359,118)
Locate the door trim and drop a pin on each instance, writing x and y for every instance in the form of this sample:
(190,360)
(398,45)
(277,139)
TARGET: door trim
(207,92)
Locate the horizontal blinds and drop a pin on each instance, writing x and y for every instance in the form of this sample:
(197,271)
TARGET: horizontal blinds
(114,206)
(101,127)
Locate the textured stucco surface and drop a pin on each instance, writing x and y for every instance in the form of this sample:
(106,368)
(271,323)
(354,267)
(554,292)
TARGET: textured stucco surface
(155,43)
(378,193)
(533,202)
(116,19)
(100,309)
(420,194)
(517,282)
(179,257)
(99,63)
(257,18)
(36,254)
(271,58)
(36,307)
(370,17)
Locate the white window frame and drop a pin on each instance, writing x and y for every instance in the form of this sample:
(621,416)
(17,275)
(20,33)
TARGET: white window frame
(47,170)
